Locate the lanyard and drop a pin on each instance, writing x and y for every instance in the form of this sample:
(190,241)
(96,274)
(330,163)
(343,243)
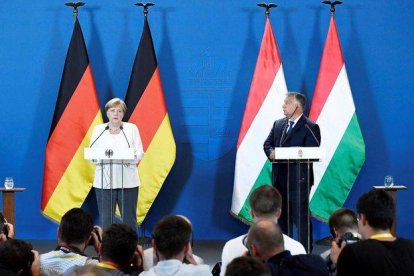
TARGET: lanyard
(380,236)
(107,265)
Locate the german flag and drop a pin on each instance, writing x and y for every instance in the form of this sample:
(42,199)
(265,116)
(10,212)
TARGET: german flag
(67,176)
(147,109)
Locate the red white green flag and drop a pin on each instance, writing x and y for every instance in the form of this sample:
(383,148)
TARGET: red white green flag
(333,109)
(263,107)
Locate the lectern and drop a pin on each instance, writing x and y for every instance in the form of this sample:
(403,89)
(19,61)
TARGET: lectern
(392,191)
(8,203)
(296,157)
(109,157)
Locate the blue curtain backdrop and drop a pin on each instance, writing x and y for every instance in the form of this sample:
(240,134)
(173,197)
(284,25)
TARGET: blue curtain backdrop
(206,53)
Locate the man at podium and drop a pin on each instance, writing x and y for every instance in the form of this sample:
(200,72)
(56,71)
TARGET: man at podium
(295,130)
(119,180)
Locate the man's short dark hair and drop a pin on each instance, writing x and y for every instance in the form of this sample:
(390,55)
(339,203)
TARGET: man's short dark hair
(119,243)
(247,266)
(342,220)
(300,98)
(378,208)
(171,235)
(76,226)
(16,255)
(265,200)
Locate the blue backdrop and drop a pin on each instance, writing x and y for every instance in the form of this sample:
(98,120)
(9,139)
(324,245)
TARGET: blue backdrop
(206,52)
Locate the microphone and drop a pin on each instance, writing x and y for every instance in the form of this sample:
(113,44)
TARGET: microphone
(293,113)
(122,129)
(105,129)
(313,134)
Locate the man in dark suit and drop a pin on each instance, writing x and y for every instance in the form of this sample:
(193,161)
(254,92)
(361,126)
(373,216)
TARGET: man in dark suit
(295,130)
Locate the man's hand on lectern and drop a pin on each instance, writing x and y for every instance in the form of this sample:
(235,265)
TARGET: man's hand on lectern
(272,156)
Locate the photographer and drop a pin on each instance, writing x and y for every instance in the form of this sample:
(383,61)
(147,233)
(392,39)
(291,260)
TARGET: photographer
(75,232)
(6,229)
(119,251)
(17,257)
(379,253)
(150,257)
(343,225)
(7,232)
(172,242)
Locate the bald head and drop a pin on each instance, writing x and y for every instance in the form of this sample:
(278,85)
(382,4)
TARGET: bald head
(266,238)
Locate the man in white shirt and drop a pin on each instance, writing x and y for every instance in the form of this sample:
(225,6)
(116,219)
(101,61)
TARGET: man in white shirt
(266,204)
(171,242)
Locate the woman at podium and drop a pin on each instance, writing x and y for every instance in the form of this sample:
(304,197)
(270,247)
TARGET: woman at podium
(116,182)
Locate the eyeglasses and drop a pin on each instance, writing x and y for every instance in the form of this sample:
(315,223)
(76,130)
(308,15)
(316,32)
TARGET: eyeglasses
(245,241)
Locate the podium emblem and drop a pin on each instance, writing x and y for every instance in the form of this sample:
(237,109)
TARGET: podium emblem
(109,153)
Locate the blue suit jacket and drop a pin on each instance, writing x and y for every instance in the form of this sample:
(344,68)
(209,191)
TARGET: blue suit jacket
(305,133)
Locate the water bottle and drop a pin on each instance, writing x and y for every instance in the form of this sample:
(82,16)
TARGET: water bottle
(388,181)
(9,183)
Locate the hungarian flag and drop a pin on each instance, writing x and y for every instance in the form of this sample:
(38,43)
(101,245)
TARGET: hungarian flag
(263,107)
(334,110)
(67,176)
(147,109)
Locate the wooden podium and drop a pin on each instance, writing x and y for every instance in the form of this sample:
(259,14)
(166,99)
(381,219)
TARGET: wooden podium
(8,203)
(392,191)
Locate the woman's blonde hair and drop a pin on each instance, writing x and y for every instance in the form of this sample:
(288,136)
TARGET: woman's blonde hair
(115,102)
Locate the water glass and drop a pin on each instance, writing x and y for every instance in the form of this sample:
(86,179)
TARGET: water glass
(388,181)
(9,183)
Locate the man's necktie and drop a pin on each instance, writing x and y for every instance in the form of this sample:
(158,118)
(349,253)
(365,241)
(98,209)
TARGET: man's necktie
(290,127)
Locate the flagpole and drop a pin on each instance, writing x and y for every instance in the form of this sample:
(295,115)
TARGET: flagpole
(145,6)
(267,7)
(327,240)
(332,4)
(75,6)
(144,240)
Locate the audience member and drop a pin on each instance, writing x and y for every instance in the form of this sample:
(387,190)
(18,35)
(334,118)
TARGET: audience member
(171,242)
(265,242)
(74,232)
(247,266)
(343,225)
(17,257)
(150,259)
(119,251)
(7,232)
(379,253)
(265,204)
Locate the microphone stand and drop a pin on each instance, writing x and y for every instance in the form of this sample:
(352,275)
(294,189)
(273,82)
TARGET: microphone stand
(122,176)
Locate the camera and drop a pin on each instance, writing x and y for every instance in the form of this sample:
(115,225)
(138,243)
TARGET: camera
(348,238)
(92,239)
(3,227)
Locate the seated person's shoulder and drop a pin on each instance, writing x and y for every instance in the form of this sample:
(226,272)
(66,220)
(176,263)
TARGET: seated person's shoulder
(306,262)
(293,246)
(148,258)
(201,269)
